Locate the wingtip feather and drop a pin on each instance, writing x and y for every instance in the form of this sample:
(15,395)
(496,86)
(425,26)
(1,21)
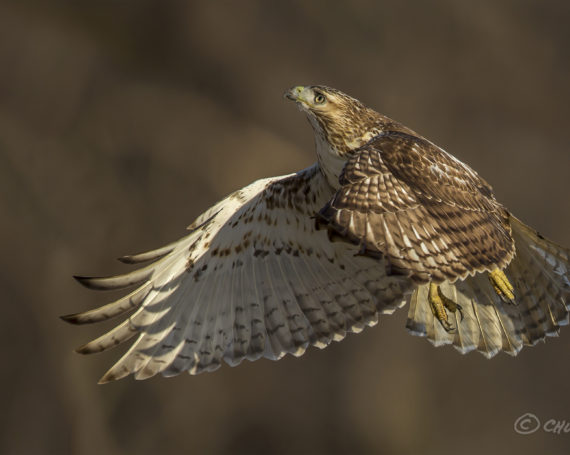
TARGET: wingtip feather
(117,281)
(106,379)
(147,256)
(127,259)
(83,280)
(71,318)
(91,282)
(114,373)
(84,349)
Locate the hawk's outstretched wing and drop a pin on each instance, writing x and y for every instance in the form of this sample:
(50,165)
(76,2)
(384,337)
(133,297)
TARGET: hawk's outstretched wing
(430,215)
(254,278)
(257,276)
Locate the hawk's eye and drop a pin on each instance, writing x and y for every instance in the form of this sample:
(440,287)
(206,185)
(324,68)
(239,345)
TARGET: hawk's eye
(319,98)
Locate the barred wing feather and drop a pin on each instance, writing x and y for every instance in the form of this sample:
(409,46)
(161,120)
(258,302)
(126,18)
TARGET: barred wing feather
(254,278)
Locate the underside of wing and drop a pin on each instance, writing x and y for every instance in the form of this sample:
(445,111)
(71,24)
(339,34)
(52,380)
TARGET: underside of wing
(253,279)
(430,216)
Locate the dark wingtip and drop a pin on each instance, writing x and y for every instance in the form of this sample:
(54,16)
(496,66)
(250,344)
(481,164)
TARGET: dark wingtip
(89,282)
(70,318)
(104,283)
(127,260)
(84,349)
(84,280)
(105,380)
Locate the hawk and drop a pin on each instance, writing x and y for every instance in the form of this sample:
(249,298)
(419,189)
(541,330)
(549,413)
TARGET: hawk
(384,217)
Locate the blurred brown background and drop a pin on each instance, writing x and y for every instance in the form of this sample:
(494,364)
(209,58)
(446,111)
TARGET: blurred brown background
(120,121)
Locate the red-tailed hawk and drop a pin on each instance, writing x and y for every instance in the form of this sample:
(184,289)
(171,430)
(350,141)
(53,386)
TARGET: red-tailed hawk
(383,218)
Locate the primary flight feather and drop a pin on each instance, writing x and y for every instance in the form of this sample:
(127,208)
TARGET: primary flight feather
(384,217)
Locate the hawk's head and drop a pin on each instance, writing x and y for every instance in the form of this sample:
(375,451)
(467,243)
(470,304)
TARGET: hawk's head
(340,121)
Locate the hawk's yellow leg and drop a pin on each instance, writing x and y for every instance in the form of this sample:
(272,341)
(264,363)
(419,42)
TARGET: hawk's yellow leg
(439,303)
(501,284)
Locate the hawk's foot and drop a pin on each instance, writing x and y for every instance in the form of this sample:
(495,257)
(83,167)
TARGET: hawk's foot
(439,304)
(502,285)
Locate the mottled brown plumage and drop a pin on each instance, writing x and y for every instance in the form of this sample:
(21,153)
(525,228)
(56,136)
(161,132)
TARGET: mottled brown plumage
(433,219)
(263,273)
(430,215)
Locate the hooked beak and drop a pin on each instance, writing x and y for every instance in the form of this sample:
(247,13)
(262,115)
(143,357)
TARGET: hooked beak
(294,93)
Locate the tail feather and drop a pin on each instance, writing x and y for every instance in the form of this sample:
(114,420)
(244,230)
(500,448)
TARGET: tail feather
(540,274)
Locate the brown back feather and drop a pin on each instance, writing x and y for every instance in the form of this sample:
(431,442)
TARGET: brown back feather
(429,214)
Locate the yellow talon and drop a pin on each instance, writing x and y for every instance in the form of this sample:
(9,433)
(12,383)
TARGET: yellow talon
(501,284)
(439,303)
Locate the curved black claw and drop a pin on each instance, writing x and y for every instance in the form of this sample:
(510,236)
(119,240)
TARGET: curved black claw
(449,328)
(460,311)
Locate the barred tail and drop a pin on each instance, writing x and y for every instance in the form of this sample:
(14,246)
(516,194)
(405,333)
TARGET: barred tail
(540,274)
